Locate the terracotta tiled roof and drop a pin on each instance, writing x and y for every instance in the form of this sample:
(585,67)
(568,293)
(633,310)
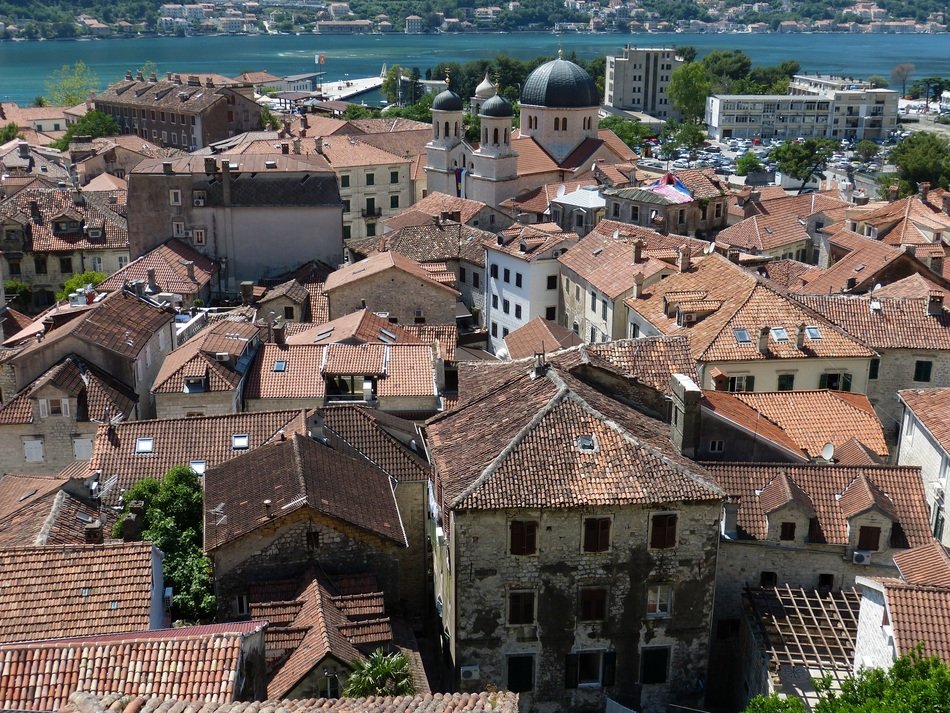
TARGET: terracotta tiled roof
(13,321)
(45,163)
(539,335)
(90,210)
(825,486)
(789,274)
(900,222)
(434,205)
(107,182)
(407,142)
(747,304)
(863,265)
(298,473)
(366,432)
(78,590)
(529,455)
(532,242)
(357,327)
(608,264)
(927,565)
(299,379)
(164,94)
(884,322)
(843,416)
(445,334)
(319,305)
(202,663)
(291,289)
(915,285)
(919,614)
(765,232)
(179,441)
(537,200)
(649,360)
(376,264)
(853,452)
(932,409)
(171,271)
(351,152)
(653,242)
(100,397)
(198,358)
(55,518)
(495,701)
(428,243)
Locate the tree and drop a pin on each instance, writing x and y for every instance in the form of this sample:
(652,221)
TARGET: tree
(878,82)
(866,150)
(39,100)
(689,86)
(922,156)
(631,131)
(775,704)
(901,73)
(174,521)
(92,123)
(359,111)
(77,282)
(725,67)
(71,85)
(268,120)
(803,160)
(17,291)
(748,163)
(9,132)
(688,136)
(381,674)
(687,53)
(391,83)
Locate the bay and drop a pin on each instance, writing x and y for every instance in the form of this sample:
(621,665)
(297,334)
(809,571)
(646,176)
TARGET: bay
(24,66)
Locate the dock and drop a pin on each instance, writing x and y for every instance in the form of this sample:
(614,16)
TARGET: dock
(349,88)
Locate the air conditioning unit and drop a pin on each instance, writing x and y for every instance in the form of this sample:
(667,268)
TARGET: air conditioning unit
(222,356)
(861,557)
(198,202)
(470,672)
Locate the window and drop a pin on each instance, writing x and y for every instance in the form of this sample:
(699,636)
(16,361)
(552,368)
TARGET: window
(550,314)
(835,382)
(507,275)
(654,664)
(603,309)
(741,383)
(462,275)
(874,369)
(592,604)
(370,179)
(634,213)
(144,444)
(869,538)
(39,263)
(659,601)
(346,232)
(82,448)
(922,369)
(826,581)
(66,265)
(33,450)
(520,673)
(517,311)
(198,236)
(505,306)
(199,466)
(590,668)
(787,533)
(717,446)
(663,531)
(14,267)
(593,334)
(615,210)
(596,534)
(174,197)
(786,382)
(493,271)
(779,334)
(552,282)
(517,279)
(122,261)
(504,332)
(593,302)
(344,181)
(494,301)
(813,332)
(393,201)
(494,329)
(768,579)
(370,230)
(476,279)
(288,312)
(178,229)
(742,335)
(520,608)
(239,442)
(346,205)
(242,606)
(524,537)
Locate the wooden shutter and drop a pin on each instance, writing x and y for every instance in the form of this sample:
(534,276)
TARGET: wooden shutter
(570,671)
(750,383)
(44,408)
(846,382)
(64,404)
(823,381)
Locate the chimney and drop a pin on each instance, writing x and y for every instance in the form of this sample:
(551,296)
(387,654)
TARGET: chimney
(247,292)
(139,77)
(128,75)
(152,285)
(910,250)
(168,76)
(730,519)
(90,98)
(683,262)
(303,132)
(935,303)
(152,78)
(861,198)
(684,424)
(138,287)
(764,340)
(226,181)
(209,83)
(134,522)
(167,168)
(296,147)
(923,188)
(193,80)
(211,165)
(23,149)
(190,269)
(318,144)
(280,333)
(936,264)
(637,286)
(177,79)
(637,251)
(734,255)
(755,195)
(304,121)
(800,337)
(892,193)
(382,247)
(285,148)
(93,533)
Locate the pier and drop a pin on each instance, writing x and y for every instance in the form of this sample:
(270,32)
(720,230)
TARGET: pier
(349,88)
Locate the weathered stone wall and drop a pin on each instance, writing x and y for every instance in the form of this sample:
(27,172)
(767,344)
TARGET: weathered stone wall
(896,372)
(485,573)
(397,293)
(212,403)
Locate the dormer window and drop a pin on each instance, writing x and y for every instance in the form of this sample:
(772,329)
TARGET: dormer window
(787,533)
(199,466)
(194,384)
(144,444)
(869,538)
(240,442)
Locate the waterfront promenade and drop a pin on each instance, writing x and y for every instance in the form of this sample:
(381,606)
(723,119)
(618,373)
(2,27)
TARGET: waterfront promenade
(349,88)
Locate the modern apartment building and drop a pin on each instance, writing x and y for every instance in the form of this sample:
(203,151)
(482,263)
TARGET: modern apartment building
(637,80)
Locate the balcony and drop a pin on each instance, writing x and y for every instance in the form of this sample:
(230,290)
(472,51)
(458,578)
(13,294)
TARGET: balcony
(371,212)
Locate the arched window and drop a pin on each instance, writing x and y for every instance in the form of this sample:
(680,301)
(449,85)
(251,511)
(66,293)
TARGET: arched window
(506,136)
(495,137)
(485,136)
(446,129)
(437,129)
(456,128)
(564,124)
(557,124)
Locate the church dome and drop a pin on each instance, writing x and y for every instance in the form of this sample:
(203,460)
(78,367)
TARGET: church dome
(497,106)
(447,101)
(485,90)
(560,84)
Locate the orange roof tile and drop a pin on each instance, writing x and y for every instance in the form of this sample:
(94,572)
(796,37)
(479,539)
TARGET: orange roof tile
(919,614)
(932,409)
(539,336)
(39,209)
(376,264)
(928,565)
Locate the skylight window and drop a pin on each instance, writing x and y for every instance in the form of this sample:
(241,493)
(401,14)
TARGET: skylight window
(199,466)
(239,442)
(742,335)
(280,365)
(779,334)
(145,444)
(813,332)
(586,443)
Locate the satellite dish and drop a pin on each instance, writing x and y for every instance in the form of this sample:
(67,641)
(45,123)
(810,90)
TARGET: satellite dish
(709,249)
(560,190)
(828,451)
(876,287)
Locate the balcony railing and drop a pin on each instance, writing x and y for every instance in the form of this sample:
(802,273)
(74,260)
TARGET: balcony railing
(372,212)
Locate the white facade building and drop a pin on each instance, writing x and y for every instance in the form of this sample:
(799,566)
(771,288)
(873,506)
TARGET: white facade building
(637,80)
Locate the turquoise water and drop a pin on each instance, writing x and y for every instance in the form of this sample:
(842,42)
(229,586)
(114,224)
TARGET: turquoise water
(25,65)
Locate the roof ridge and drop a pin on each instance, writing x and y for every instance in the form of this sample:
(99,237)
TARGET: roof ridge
(59,500)
(297,466)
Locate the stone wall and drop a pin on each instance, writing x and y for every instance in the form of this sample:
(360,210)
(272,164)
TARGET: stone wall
(209,403)
(398,293)
(896,372)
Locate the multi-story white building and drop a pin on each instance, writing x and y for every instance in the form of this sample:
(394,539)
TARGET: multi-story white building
(523,277)
(637,80)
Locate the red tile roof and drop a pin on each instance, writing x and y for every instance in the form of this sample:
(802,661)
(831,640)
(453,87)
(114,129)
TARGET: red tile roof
(928,565)
(532,242)
(825,486)
(539,336)
(432,242)
(607,264)
(298,473)
(932,409)
(355,328)
(77,590)
(365,432)
(171,270)
(435,204)
(198,358)
(378,263)
(537,200)
(919,614)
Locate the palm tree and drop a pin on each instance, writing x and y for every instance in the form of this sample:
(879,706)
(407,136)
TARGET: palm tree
(381,674)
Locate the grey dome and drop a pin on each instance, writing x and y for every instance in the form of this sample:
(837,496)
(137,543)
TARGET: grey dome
(447,101)
(497,106)
(560,83)
(485,90)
